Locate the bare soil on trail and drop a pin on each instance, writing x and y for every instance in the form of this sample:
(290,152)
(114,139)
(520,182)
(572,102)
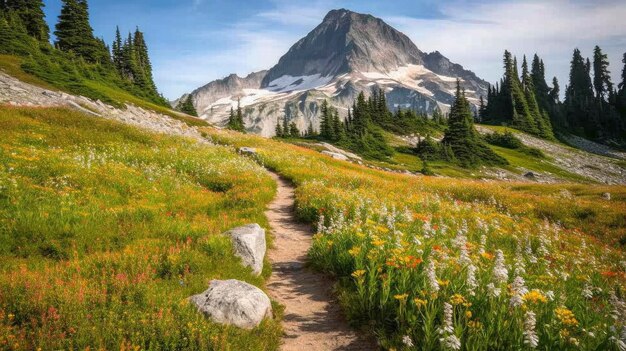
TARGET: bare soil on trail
(313,319)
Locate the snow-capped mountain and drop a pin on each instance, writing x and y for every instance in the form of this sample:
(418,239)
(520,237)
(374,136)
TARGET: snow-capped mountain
(346,54)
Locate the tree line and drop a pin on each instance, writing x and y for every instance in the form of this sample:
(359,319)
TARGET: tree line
(363,130)
(593,107)
(77,54)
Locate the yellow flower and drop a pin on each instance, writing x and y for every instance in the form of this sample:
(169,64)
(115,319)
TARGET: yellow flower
(443,283)
(475,325)
(457,299)
(468,314)
(402,297)
(378,242)
(419,302)
(358,274)
(566,317)
(535,296)
(355,251)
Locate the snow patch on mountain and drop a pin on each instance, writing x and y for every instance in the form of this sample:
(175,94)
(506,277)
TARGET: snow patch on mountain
(289,83)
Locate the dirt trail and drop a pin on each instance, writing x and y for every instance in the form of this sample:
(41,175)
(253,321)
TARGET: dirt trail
(313,319)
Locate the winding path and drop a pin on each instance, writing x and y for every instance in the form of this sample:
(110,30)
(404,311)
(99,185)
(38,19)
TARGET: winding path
(313,320)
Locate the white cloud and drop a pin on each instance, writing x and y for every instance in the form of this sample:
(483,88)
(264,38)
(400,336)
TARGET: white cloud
(476,35)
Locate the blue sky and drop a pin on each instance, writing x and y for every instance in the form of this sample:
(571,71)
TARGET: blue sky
(192,42)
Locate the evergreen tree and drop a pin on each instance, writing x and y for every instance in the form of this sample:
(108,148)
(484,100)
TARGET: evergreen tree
(279,129)
(337,126)
(286,127)
(463,140)
(540,118)
(145,80)
(74,33)
(555,91)
(482,109)
(235,119)
(187,106)
(621,94)
(117,51)
(325,121)
(311,131)
(32,16)
(579,98)
(601,75)
(239,117)
(294,132)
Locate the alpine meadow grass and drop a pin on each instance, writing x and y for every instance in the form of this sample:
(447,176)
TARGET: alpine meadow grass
(447,264)
(105,230)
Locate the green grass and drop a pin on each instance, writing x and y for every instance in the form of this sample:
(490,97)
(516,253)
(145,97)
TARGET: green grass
(105,231)
(518,158)
(12,65)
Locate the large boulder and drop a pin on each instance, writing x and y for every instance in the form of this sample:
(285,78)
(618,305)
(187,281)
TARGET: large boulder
(250,246)
(234,302)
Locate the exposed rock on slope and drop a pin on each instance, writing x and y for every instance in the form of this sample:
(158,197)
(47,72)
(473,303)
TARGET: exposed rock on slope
(17,93)
(346,54)
(596,167)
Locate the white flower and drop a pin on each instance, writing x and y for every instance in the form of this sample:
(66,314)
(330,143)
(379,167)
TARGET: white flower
(451,342)
(447,327)
(500,273)
(432,277)
(530,336)
(587,292)
(493,291)
(550,295)
(472,284)
(519,290)
(320,225)
(483,243)
(448,339)
(464,258)
(406,340)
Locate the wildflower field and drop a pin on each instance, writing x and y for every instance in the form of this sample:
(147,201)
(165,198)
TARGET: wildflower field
(105,231)
(447,264)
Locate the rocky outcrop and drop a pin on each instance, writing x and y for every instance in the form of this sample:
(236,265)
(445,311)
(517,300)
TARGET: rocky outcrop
(594,167)
(17,93)
(235,303)
(335,155)
(249,244)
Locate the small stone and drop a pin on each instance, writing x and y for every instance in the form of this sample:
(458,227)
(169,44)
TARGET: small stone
(530,175)
(606,196)
(247,151)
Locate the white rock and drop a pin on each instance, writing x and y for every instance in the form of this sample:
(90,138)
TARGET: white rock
(335,155)
(606,196)
(250,246)
(234,302)
(247,151)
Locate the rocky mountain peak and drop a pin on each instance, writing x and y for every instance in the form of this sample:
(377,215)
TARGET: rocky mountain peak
(345,42)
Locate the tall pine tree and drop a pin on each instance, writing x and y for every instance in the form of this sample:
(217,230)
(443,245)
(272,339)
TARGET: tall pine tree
(579,99)
(187,106)
(74,33)
(32,16)
(462,138)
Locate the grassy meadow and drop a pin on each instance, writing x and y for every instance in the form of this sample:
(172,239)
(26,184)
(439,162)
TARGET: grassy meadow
(105,230)
(432,263)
